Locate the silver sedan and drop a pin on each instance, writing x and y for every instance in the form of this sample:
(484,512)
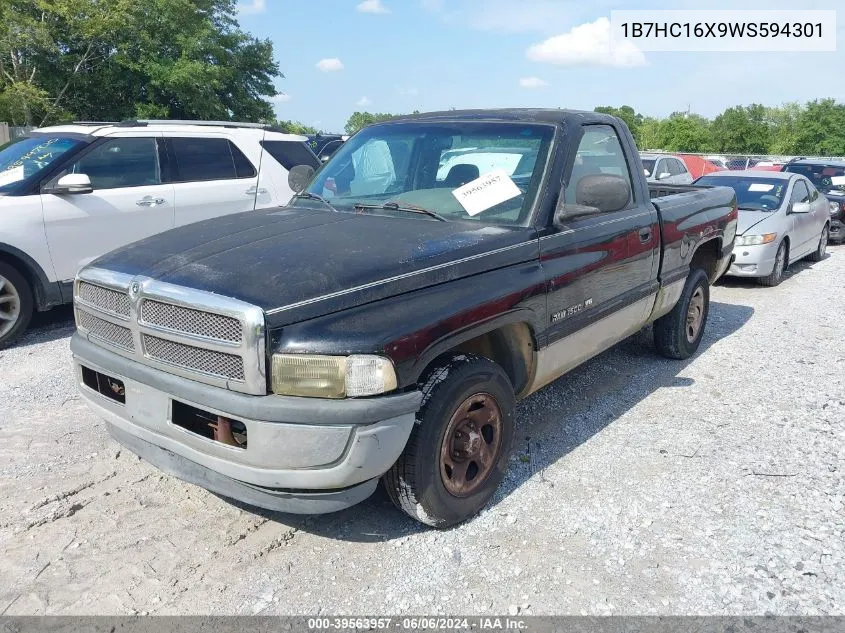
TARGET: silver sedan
(782,218)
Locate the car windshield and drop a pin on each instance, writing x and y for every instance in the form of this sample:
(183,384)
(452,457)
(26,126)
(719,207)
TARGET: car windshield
(462,171)
(28,156)
(756,194)
(824,177)
(648,166)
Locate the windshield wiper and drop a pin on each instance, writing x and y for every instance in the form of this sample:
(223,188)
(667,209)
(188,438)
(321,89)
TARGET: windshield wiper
(313,196)
(391,205)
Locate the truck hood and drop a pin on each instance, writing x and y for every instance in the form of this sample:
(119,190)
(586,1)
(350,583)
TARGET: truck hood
(750,219)
(299,263)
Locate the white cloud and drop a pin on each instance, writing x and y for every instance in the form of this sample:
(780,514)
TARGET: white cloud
(252,7)
(282,97)
(363,101)
(330,65)
(409,92)
(533,82)
(372,6)
(587,45)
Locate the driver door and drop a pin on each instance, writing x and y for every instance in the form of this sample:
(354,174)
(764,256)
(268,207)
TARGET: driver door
(804,224)
(129,202)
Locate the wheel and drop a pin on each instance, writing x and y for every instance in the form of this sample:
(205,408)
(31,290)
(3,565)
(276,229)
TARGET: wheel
(678,334)
(458,450)
(776,276)
(15,304)
(818,254)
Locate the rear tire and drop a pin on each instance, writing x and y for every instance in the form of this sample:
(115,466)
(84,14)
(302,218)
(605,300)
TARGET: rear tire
(16,304)
(776,276)
(458,451)
(678,334)
(818,254)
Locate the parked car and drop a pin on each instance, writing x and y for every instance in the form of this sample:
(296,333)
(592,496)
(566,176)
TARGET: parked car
(291,358)
(665,169)
(698,166)
(782,219)
(324,145)
(828,176)
(73,192)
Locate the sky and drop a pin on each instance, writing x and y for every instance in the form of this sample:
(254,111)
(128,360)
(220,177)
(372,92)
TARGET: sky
(339,56)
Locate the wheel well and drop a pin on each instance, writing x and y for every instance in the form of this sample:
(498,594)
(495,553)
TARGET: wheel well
(511,347)
(706,257)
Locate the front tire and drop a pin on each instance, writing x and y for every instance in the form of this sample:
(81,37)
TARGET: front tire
(818,254)
(678,334)
(16,304)
(776,276)
(458,451)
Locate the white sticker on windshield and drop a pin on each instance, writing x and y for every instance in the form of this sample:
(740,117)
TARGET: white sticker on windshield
(11,175)
(837,180)
(485,192)
(760,186)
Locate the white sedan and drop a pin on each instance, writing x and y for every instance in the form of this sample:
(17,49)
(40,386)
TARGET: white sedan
(782,218)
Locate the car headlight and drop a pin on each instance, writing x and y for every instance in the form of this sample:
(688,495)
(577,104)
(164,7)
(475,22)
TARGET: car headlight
(834,208)
(755,240)
(315,376)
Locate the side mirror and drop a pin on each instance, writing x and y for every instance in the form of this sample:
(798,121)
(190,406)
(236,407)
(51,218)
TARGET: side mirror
(601,193)
(299,177)
(663,175)
(801,207)
(72,184)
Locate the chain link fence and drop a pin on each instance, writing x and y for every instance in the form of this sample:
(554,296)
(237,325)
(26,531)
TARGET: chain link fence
(744,161)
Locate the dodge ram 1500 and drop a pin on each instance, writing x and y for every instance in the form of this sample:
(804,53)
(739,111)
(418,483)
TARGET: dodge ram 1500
(382,325)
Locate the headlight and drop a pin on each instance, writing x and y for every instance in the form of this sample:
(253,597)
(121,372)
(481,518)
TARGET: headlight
(755,240)
(331,376)
(834,208)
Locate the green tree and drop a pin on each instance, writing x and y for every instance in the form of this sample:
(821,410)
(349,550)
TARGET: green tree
(821,129)
(115,59)
(741,130)
(632,119)
(295,127)
(360,120)
(683,132)
(783,123)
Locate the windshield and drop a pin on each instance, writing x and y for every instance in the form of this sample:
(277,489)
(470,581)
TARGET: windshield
(757,194)
(648,166)
(29,156)
(463,171)
(825,177)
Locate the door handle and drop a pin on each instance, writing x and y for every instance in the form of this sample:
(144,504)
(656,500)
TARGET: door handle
(149,201)
(645,235)
(255,190)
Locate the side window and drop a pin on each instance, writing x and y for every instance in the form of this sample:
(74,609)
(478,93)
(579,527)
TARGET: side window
(121,162)
(799,192)
(680,168)
(814,193)
(203,159)
(289,154)
(599,152)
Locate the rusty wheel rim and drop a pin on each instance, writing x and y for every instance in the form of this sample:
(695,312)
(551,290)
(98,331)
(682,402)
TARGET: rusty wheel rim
(471,445)
(695,314)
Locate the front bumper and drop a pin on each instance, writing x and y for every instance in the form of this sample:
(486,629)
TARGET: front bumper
(303,455)
(754,261)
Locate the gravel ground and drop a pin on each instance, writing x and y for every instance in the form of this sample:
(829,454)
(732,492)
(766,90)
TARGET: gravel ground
(639,486)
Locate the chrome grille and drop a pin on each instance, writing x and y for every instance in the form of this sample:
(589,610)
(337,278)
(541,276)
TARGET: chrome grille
(194,334)
(104,298)
(106,331)
(198,359)
(190,321)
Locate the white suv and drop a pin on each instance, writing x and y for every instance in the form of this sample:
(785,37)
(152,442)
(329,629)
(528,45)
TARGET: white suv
(70,193)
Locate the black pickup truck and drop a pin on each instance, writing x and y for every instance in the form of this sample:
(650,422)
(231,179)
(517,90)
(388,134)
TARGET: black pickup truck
(382,325)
